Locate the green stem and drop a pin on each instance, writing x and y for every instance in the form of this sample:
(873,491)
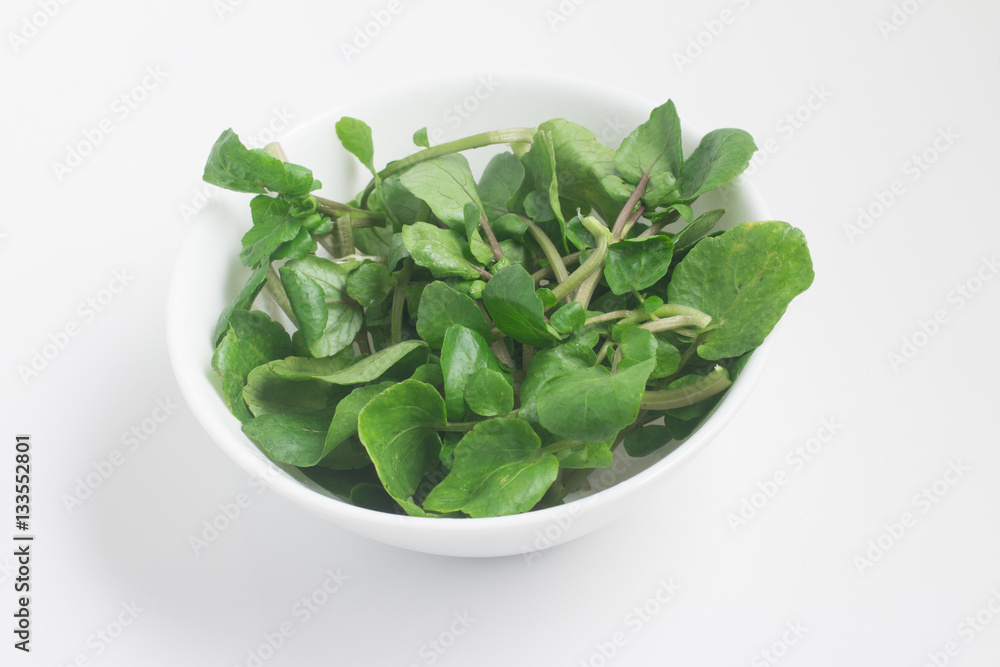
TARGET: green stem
(603,353)
(589,267)
(629,207)
(545,271)
(586,291)
(277,292)
(607,317)
(689,394)
(508,136)
(561,445)
(399,300)
(550,251)
(333,209)
(342,237)
(657,226)
(671,323)
(491,237)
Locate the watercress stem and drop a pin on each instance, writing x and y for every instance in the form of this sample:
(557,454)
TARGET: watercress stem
(399,301)
(508,136)
(545,271)
(333,209)
(593,263)
(491,237)
(550,251)
(342,237)
(705,387)
(626,212)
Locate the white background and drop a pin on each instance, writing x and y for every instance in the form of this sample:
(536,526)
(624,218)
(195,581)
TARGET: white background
(850,93)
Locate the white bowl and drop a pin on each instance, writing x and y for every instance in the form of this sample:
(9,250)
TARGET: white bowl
(208,274)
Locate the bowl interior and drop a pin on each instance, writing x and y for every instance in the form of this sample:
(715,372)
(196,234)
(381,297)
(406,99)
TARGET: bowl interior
(208,274)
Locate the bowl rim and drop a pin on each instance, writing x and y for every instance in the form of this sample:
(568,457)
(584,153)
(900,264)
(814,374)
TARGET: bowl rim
(192,382)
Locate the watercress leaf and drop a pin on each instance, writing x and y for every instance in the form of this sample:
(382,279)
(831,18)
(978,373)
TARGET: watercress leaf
(233,166)
(744,278)
(420,138)
(295,439)
(273,224)
(340,483)
(356,137)
(472,215)
(500,183)
(579,235)
(396,202)
(488,393)
(397,251)
(568,318)
(344,316)
(307,300)
(510,226)
(399,428)
(267,392)
(547,296)
(668,359)
(344,426)
(242,301)
(592,405)
(498,469)
(440,307)
(635,264)
(439,250)
(654,147)
(511,301)
(253,339)
(582,162)
(551,363)
(648,439)
(721,156)
(637,346)
(447,185)
(369,283)
(303,244)
(463,354)
(587,455)
(540,163)
(537,207)
(430,374)
(701,226)
(373,240)
(513,253)
(366,369)
(651,304)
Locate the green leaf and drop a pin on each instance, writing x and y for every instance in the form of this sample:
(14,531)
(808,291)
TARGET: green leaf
(637,345)
(399,429)
(540,162)
(369,283)
(233,166)
(307,300)
(745,278)
(568,318)
(582,163)
(345,425)
(511,301)
(668,359)
(440,307)
(273,224)
(420,138)
(635,264)
(295,439)
(447,185)
(396,202)
(579,235)
(499,184)
(592,405)
(498,469)
(253,339)
(430,374)
(366,369)
(303,244)
(648,439)
(356,137)
(547,364)
(587,455)
(442,251)
(488,393)
(344,317)
(266,392)
(701,226)
(654,146)
(242,301)
(721,156)
(463,354)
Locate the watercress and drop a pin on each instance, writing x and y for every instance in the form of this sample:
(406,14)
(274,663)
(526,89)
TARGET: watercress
(469,347)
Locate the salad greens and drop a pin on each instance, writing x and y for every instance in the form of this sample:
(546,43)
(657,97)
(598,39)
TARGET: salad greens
(469,347)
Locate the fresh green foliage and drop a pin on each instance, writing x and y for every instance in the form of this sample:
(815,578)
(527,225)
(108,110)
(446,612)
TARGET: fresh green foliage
(459,360)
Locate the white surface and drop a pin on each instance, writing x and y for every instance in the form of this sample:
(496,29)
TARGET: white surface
(879,98)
